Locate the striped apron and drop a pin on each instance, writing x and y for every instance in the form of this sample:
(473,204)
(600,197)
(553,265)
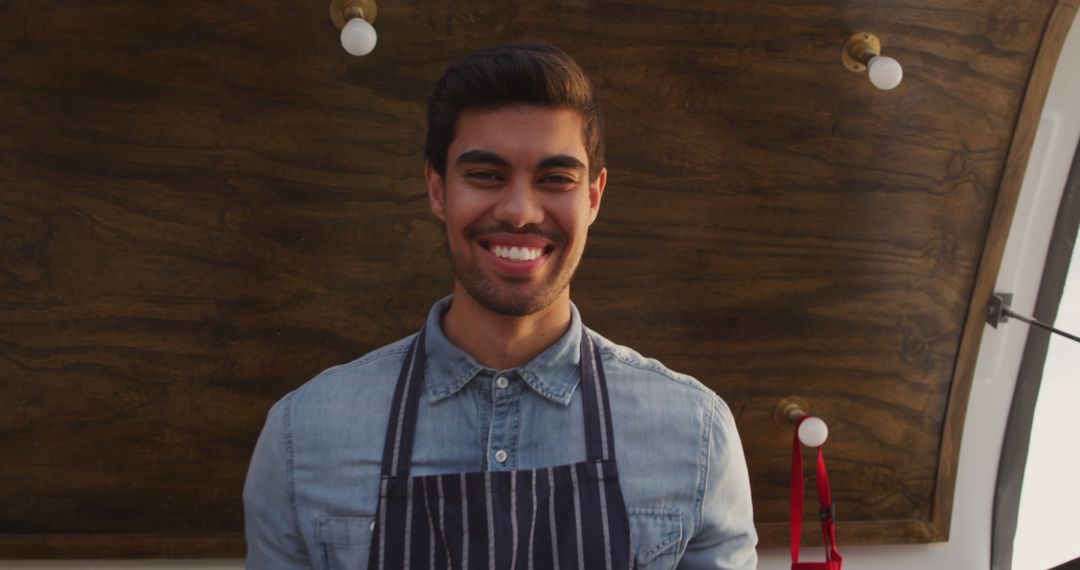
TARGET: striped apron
(568,517)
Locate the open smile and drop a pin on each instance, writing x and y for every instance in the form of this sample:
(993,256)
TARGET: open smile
(516,254)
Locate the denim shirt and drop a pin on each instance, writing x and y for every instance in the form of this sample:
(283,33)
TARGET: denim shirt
(312,487)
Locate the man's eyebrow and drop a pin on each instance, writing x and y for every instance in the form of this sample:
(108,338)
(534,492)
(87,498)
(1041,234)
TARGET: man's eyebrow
(481,157)
(561,161)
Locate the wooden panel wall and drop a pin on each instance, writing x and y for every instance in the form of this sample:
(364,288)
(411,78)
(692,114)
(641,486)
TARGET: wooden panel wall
(203,204)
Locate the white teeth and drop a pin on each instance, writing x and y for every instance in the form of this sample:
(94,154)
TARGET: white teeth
(517,253)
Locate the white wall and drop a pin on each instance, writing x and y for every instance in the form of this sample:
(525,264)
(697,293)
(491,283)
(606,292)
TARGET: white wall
(1049,491)
(1046,535)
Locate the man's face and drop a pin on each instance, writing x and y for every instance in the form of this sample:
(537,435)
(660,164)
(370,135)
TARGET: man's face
(517,202)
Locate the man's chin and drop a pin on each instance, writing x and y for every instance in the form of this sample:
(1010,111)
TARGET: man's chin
(508,295)
(514,305)
(519,303)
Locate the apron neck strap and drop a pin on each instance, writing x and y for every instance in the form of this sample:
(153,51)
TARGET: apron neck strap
(599,435)
(401,430)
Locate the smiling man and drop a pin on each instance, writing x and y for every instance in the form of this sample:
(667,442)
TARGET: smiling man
(488,439)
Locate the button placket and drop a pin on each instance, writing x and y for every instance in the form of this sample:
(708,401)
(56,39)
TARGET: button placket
(505,420)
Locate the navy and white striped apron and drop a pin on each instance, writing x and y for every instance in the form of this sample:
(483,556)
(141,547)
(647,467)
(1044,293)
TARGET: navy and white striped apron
(568,517)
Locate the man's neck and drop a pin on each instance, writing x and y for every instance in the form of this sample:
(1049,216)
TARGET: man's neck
(500,341)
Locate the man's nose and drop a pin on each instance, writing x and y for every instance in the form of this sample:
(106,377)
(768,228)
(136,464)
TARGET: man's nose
(519,204)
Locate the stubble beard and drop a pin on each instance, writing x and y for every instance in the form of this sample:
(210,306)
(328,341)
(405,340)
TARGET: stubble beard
(513,297)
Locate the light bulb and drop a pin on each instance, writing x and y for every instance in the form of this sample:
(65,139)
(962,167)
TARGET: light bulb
(358,37)
(885,72)
(813,432)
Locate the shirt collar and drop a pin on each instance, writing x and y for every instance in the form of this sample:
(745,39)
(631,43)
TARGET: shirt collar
(554,374)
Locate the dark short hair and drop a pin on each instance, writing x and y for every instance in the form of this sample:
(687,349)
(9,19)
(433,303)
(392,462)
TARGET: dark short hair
(508,74)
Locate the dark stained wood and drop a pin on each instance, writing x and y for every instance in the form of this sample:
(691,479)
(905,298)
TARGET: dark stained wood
(140,545)
(204,204)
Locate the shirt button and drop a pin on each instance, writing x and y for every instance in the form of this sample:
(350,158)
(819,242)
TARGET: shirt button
(502,382)
(500,456)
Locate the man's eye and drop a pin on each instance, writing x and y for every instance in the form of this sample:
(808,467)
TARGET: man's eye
(557,179)
(481,175)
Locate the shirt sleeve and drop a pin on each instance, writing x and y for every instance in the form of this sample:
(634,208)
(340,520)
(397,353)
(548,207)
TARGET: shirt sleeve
(271,528)
(726,538)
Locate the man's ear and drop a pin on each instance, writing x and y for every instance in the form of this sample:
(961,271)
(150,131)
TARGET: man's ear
(596,192)
(436,191)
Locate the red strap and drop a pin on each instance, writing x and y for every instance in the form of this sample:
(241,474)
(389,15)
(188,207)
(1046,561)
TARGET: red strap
(833,560)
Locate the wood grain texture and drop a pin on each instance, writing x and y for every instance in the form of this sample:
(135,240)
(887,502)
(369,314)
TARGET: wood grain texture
(204,204)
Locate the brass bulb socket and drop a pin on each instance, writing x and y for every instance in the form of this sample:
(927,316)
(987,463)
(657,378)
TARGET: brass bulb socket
(341,11)
(859,49)
(789,410)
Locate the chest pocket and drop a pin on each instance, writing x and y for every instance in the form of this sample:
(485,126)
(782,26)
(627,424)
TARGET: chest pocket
(657,535)
(344,542)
